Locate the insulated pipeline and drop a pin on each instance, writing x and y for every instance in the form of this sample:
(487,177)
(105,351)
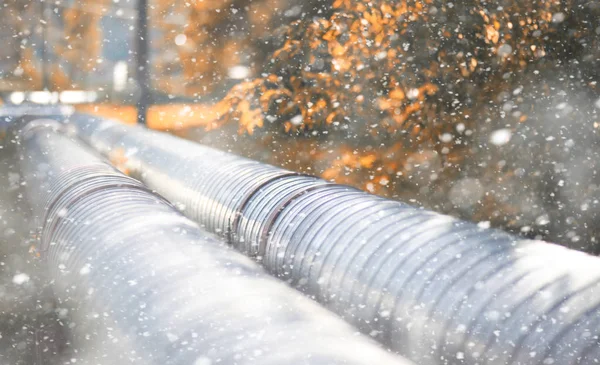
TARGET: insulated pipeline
(146,285)
(434,288)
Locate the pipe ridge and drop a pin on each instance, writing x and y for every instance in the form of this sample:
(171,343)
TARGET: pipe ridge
(440,294)
(522,340)
(278,209)
(311,229)
(285,234)
(350,221)
(54,222)
(318,263)
(255,215)
(354,293)
(394,283)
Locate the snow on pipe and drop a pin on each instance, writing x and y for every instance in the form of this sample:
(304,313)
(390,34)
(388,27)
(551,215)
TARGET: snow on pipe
(149,286)
(436,289)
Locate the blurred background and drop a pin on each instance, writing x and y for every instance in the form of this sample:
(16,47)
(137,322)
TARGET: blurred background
(488,111)
(484,110)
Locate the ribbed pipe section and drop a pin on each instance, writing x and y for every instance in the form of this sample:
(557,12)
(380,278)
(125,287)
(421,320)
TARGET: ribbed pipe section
(434,288)
(146,285)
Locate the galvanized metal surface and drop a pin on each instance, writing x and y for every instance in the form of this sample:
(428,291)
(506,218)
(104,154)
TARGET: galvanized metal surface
(144,284)
(434,288)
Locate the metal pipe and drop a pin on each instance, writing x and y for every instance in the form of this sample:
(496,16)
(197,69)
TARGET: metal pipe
(147,285)
(436,289)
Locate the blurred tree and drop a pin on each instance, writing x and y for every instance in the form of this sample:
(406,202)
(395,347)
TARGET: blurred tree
(14,31)
(470,108)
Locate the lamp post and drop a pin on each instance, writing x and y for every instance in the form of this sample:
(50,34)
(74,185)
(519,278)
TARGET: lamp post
(143,61)
(44,55)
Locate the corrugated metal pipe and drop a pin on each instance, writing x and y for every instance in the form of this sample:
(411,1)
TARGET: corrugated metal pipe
(436,289)
(146,285)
